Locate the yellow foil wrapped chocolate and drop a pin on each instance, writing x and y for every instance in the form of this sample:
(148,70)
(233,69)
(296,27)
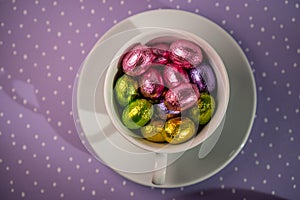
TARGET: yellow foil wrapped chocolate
(137,114)
(179,130)
(154,131)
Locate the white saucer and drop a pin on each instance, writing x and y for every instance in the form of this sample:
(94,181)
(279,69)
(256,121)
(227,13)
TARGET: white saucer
(106,144)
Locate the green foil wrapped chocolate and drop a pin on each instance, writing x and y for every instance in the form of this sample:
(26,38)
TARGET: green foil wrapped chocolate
(137,114)
(126,90)
(179,130)
(154,131)
(204,110)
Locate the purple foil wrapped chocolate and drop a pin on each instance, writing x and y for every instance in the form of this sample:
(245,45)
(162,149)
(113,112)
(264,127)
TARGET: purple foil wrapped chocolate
(163,112)
(204,77)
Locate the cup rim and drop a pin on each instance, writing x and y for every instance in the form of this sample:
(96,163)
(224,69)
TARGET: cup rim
(220,71)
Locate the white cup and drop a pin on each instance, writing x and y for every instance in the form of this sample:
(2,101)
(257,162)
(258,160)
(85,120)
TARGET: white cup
(163,149)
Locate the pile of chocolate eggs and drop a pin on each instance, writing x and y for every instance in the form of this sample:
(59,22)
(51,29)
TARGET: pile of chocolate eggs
(164,88)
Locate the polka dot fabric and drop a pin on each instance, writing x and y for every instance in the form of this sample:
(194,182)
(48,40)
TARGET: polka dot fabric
(43,43)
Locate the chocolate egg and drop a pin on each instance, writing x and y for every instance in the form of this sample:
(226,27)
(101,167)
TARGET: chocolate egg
(174,75)
(204,110)
(137,114)
(126,90)
(163,112)
(151,84)
(181,97)
(162,55)
(154,131)
(204,77)
(186,53)
(179,130)
(137,60)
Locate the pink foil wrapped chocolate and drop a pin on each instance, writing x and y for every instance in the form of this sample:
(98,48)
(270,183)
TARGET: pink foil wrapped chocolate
(137,60)
(151,84)
(161,51)
(186,53)
(182,97)
(174,75)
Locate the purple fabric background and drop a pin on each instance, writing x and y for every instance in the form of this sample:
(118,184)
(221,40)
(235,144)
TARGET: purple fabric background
(43,43)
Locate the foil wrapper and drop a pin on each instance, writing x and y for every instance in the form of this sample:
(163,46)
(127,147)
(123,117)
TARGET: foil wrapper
(174,75)
(204,110)
(186,53)
(181,97)
(126,90)
(137,114)
(179,130)
(204,77)
(137,60)
(154,131)
(163,112)
(151,84)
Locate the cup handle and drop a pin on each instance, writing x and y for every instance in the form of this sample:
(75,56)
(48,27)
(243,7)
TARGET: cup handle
(160,168)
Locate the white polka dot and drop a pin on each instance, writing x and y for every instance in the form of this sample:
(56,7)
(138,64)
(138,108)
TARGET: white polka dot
(54,184)
(294,186)
(258,43)
(93,192)
(24,147)
(132,194)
